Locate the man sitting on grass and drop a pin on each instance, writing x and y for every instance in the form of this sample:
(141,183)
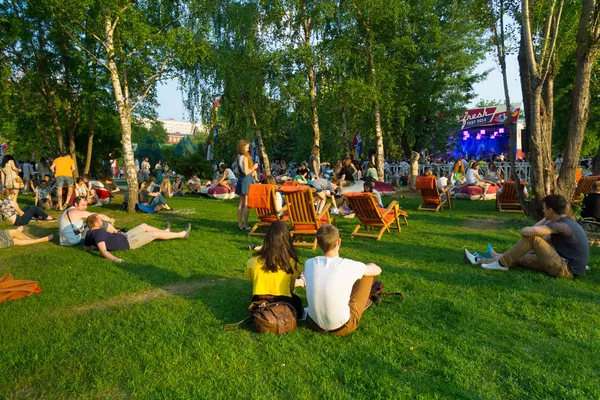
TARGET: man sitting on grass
(337,289)
(71,227)
(98,238)
(556,245)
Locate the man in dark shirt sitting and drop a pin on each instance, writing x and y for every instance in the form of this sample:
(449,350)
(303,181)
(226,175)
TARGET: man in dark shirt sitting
(591,203)
(560,246)
(97,238)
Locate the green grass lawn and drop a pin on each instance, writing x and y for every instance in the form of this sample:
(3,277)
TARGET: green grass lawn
(152,326)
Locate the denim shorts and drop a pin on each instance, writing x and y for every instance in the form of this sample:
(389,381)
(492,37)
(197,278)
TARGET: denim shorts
(61,180)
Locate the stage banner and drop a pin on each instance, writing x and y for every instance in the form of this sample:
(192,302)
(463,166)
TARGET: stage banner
(494,115)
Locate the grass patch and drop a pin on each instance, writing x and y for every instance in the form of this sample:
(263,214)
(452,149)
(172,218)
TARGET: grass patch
(152,327)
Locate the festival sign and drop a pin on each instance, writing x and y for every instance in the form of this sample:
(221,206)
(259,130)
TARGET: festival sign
(494,115)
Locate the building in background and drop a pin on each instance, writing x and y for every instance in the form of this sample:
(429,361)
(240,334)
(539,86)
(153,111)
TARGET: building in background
(176,130)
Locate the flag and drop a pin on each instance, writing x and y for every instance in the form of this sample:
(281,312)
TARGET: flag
(357,145)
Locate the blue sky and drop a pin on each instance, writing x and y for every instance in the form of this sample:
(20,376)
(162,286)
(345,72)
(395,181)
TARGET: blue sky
(171,105)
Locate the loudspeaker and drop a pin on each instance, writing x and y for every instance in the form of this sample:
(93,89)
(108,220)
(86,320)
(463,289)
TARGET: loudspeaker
(525,136)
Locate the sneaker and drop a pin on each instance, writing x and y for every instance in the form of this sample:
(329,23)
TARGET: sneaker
(495,266)
(334,211)
(587,268)
(304,314)
(470,258)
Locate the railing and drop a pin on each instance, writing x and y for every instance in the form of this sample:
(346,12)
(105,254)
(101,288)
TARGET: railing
(504,169)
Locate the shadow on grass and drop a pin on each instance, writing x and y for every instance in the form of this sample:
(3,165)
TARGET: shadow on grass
(226,297)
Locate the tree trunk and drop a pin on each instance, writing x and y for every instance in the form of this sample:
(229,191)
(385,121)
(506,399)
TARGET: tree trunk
(70,107)
(125,118)
(261,145)
(51,106)
(508,124)
(376,112)
(405,145)
(314,122)
(88,157)
(414,169)
(587,54)
(345,136)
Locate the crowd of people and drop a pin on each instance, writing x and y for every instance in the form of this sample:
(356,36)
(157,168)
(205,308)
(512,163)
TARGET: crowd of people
(337,289)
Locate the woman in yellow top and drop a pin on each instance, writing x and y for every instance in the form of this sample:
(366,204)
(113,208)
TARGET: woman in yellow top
(275,267)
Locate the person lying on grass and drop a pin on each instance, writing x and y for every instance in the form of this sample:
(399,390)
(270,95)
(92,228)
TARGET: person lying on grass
(274,268)
(98,238)
(337,289)
(16,237)
(71,224)
(556,245)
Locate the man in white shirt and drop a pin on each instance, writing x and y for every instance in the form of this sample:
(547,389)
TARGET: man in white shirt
(337,289)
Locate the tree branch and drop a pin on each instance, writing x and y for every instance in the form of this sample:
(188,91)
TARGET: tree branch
(526,23)
(554,38)
(148,84)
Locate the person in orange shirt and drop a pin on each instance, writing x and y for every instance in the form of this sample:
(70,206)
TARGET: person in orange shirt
(63,168)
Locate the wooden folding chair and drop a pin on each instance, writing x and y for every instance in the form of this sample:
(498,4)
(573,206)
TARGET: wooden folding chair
(263,200)
(433,198)
(302,215)
(506,199)
(371,216)
(584,187)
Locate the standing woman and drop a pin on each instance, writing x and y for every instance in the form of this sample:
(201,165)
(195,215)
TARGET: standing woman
(247,171)
(159,172)
(10,178)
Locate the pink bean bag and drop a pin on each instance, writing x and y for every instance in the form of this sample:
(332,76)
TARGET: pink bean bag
(475,192)
(221,193)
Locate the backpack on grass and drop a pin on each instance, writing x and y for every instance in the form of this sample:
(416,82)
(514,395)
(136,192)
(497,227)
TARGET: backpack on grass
(11,289)
(378,292)
(278,318)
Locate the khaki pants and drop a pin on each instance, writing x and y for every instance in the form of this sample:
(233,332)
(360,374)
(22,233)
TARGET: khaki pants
(358,301)
(137,237)
(544,257)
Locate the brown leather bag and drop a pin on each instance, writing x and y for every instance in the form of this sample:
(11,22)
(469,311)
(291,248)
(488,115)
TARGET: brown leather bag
(378,292)
(11,289)
(278,318)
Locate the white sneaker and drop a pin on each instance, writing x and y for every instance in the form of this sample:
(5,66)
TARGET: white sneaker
(587,268)
(334,210)
(495,266)
(470,258)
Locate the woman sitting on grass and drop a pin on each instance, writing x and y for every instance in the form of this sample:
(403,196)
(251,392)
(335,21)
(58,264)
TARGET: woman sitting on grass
(16,237)
(274,268)
(178,186)
(227,177)
(458,174)
(157,203)
(12,213)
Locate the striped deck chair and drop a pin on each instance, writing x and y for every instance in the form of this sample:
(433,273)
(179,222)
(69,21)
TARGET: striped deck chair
(584,187)
(371,216)
(263,200)
(506,199)
(433,197)
(302,215)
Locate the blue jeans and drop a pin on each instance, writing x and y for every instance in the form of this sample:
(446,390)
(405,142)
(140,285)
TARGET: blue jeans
(158,200)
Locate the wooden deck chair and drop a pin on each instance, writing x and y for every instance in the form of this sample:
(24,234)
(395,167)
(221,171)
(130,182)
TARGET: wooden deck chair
(433,197)
(263,200)
(506,200)
(371,216)
(302,214)
(584,187)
